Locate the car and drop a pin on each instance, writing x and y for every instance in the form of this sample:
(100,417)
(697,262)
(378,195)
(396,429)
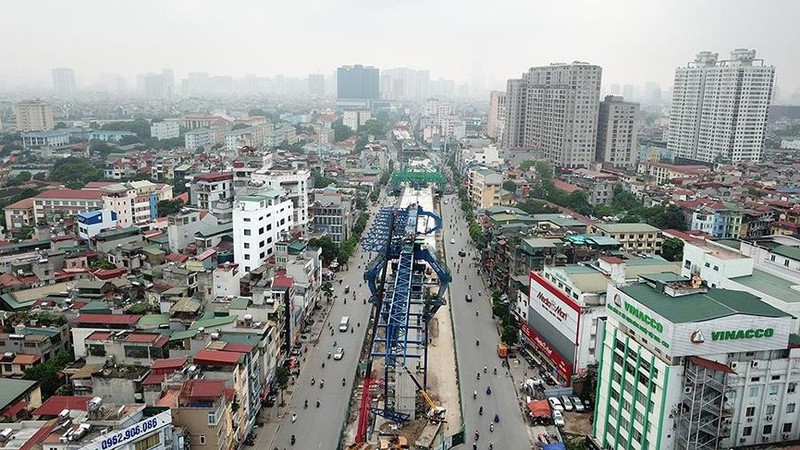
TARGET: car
(462,253)
(537,381)
(452,240)
(468,297)
(587,405)
(558,419)
(578,404)
(555,404)
(567,403)
(339,354)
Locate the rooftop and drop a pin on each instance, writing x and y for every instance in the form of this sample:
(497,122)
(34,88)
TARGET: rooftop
(702,306)
(774,286)
(57,403)
(787,251)
(626,228)
(71,194)
(10,389)
(216,357)
(110,319)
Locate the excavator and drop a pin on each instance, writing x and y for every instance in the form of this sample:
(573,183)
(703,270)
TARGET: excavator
(436,413)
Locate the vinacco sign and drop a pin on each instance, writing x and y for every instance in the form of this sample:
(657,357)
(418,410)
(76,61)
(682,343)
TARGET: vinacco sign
(728,335)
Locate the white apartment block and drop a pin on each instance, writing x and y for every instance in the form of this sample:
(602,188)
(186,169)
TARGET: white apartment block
(617,132)
(497,114)
(200,137)
(485,187)
(720,107)
(561,105)
(244,137)
(516,109)
(684,366)
(295,183)
(136,202)
(258,224)
(166,129)
(34,116)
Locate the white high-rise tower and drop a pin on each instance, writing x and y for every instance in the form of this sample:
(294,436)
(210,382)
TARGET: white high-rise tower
(720,107)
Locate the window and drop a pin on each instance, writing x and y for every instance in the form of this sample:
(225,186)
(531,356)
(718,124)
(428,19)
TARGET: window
(246,233)
(148,442)
(202,439)
(767,429)
(787,427)
(135,351)
(750,411)
(716,268)
(687,264)
(770,409)
(212,417)
(773,389)
(791,388)
(790,407)
(246,256)
(261,230)
(747,431)
(246,245)
(755,379)
(786,262)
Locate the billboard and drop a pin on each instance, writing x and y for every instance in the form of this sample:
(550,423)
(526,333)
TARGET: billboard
(133,433)
(553,305)
(563,366)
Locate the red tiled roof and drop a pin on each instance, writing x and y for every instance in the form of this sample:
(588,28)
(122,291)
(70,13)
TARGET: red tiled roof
(282,281)
(110,319)
(40,435)
(57,403)
(142,337)
(203,389)
(97,184)
(206,356)
(214,176)
(26,203)
(709,364)
(99,336)
(169,365)
(206,254)
(182,197)
(107,274)
(26,359)
(177,257)
(611,259)
(77,194)
(15,409)
(8,280)
(153,379)
(564,186)
(238,347)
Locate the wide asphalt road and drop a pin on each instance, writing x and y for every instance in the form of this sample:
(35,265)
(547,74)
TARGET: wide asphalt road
(510,433)
(319,428)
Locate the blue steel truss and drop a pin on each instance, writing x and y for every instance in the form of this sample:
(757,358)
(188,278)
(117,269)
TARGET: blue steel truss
(403,310)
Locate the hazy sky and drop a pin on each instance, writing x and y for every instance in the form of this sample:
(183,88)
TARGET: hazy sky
(635,41)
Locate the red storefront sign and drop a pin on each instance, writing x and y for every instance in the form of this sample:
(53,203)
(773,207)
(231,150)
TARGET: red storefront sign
(562,365)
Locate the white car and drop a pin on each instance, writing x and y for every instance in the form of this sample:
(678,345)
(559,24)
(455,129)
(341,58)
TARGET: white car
(558,419)
(339,354)
(567,402)
(555,404)
(578,404)
(452,240)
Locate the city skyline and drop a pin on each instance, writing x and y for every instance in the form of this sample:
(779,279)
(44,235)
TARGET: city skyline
(634,42)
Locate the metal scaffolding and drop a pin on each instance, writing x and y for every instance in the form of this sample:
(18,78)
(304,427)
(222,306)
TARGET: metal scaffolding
(704,415)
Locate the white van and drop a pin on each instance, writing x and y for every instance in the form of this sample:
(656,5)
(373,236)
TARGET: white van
(344,324)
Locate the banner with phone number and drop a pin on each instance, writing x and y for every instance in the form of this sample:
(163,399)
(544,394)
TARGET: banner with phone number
(119,438)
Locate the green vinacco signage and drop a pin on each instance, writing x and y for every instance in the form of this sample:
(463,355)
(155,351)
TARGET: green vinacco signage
(742,334)
(644,317)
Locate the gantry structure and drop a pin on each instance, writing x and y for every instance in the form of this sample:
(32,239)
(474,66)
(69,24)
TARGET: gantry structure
(402,303)
(418,172)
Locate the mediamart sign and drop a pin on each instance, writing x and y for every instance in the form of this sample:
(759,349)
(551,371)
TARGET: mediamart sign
(555,306)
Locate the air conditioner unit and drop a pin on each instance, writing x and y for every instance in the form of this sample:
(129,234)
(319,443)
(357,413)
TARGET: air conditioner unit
(754,364)
(785,436)
(734,365)
(742,440)
(769,417)
(765,438)
(687,390)
(749,419)
(728,421)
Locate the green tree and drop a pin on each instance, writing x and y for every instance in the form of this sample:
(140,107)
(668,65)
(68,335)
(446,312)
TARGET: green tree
(361,141)
(373,127)
(139,126)
(526,165)
(102,264)
(75,172)
(101,148)
(128,140)
(240,126)
(624,200)
(168,207)
(21,178)
(48,373)
(509,335)
(321,181)
(329,249)
(40,176)
(672,249)
(510,186)
(341,131)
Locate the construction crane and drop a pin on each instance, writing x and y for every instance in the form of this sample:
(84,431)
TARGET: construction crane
(436,413)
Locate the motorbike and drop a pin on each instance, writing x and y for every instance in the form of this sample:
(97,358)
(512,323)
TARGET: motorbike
(317,403)
(491,427)
(488,390)
(323,364)
(313,381)
(478,375)
(305,404)
(344,381)
(495,370)
(477,435)
(477,342)
(476,313)
(294,417)
(474,394)
(497,418)
(292,440)
(322,384)
(480,411)
(485,369)
(329,355)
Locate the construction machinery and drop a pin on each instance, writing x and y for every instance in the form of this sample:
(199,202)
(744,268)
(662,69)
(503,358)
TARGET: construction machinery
(435,413)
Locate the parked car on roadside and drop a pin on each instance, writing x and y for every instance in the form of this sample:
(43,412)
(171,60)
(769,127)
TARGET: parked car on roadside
(555,404)
(578,404)
(558,419)
(567,403)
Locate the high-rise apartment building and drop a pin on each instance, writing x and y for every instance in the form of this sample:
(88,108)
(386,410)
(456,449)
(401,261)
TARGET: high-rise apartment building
(720,107)
(554,109)
(64,81)
(497,114)
(357,83)
(617,132)
(316,84)
(34,115)
(258,224)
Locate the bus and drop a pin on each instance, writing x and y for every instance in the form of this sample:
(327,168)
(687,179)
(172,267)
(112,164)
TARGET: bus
(344,324)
